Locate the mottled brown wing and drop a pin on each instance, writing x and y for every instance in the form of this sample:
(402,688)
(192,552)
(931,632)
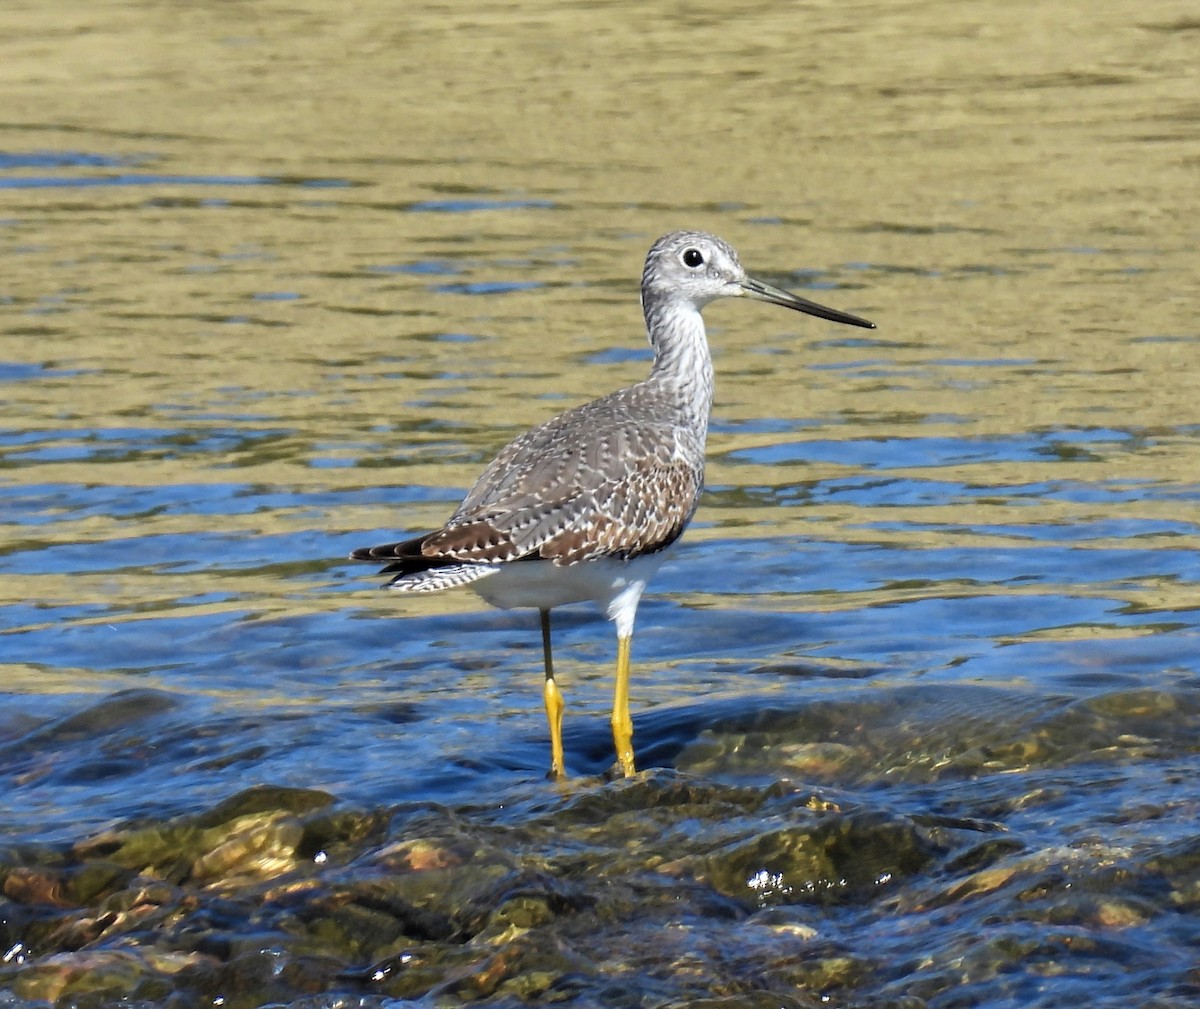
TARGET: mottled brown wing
(614,477)
(479,540)
(643,513)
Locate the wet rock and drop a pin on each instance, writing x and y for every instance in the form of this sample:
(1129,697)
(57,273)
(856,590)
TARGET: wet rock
(108,974)
(265,799)
(255,832)
(667,889)
(260,844)
(1178,865)
(827,858)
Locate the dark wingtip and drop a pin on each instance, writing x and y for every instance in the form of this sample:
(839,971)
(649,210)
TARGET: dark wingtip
(397,556)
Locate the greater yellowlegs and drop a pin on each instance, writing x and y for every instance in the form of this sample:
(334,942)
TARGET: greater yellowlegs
(584,506)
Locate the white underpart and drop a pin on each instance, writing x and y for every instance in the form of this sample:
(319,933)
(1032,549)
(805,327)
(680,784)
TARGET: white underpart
(616,585)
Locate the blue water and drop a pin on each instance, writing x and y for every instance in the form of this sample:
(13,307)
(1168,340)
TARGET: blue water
(264,656)
(1002,615)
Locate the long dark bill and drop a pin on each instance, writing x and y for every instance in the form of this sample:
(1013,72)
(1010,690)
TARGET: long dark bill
(775,296)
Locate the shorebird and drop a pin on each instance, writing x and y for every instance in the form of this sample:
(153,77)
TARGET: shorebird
(584,506)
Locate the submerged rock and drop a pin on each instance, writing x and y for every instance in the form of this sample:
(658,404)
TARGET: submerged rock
(956,873)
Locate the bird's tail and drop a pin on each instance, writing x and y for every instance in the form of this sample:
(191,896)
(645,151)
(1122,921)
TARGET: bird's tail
(416,572)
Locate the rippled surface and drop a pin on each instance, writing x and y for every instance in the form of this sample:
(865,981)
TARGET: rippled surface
(275,283)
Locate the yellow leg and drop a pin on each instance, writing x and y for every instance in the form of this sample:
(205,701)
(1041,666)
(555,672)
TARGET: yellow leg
(622,724)
(554,704)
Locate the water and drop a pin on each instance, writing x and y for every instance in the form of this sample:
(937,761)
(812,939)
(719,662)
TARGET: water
(277,284)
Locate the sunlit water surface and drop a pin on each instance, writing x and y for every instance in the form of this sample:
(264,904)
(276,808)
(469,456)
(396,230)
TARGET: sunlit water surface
(946,571)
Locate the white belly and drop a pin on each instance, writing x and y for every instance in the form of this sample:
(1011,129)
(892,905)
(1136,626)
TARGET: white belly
(615,585)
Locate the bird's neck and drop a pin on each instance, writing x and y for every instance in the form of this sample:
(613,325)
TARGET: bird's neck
(682,363)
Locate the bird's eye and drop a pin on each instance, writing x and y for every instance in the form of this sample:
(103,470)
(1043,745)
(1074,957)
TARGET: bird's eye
(692,258)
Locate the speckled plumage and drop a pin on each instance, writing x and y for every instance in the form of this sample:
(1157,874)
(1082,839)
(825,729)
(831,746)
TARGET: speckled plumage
(591,496)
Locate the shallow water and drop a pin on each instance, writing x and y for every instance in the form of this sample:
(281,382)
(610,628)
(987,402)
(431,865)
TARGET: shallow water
(917,695)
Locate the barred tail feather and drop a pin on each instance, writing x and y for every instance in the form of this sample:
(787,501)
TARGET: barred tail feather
(448,576)
(415,571)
